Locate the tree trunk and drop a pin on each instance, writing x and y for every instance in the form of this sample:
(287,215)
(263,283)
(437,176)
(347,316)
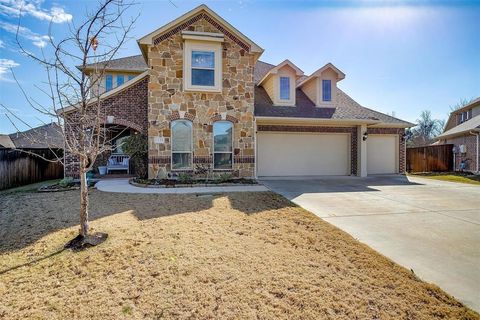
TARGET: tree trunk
(83,200)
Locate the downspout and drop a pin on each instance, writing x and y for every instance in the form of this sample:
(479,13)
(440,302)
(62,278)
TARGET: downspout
(255,166)
(477,133)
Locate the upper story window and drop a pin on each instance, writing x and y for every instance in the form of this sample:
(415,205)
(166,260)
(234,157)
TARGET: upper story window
(120,80)
(182,139)
(284,88)
(326,90)
(222,145)
(108,82)
(202,66)
(130,77)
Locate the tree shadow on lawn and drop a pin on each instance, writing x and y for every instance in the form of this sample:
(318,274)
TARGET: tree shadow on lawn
(28,217)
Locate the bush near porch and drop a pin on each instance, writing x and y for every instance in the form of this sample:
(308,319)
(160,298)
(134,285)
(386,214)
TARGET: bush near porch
(225,256)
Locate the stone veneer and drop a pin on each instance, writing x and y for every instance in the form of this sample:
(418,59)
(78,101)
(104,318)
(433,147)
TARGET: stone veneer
(167,101)
(351,130)
(129,109)
(401,143)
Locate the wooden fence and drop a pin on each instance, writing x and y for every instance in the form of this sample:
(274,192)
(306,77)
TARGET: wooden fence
(436,158)
(18,168)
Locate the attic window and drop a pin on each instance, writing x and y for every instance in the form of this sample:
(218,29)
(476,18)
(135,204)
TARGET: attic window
(326,90)
(203,68)
(284,88)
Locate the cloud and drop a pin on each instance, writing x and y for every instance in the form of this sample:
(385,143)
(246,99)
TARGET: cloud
(33,8)
(37,39)
(5,66)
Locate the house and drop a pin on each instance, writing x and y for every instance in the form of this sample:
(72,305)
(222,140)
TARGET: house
(202,96)
(463,131)
(48,136)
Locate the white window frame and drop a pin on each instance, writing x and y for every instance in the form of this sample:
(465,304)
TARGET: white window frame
(171,146)
(213,144)
(209,46)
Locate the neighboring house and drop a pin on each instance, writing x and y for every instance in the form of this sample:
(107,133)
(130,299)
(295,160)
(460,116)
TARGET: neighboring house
(463,130)
(46,137)
(200,94)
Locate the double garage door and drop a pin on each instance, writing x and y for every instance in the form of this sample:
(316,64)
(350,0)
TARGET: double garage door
(314,154)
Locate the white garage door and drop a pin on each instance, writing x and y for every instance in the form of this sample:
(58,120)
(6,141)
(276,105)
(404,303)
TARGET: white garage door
(382,154)
(305,154)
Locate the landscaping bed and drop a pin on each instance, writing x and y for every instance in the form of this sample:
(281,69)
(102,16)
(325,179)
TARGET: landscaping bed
(65,184)
(227,256)
(176,183)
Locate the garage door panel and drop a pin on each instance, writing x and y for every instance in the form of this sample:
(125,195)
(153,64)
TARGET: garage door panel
(287,154)
(382,154)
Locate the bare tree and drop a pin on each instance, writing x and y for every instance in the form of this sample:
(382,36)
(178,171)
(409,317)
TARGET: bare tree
(460,104)
(425,131)
(98,38)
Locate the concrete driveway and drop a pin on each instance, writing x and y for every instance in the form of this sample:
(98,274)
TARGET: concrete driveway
(428,226)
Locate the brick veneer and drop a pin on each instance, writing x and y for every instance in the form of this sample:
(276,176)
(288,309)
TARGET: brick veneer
(470,142)
(129,109)
(401,143)
(350,130)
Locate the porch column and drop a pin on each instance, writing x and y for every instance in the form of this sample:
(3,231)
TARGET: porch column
(362,151)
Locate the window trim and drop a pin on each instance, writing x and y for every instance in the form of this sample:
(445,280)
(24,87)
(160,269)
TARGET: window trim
(209,46)
(191,146)
(229,152)
(323,90)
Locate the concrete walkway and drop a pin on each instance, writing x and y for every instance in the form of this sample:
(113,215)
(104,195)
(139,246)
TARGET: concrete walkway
(122,186)
(429,226)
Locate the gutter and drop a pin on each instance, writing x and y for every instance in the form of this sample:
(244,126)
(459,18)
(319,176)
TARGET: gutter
(264,119)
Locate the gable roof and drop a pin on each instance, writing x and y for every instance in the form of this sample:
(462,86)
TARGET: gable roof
(345,107)
(340,74)
(451,122)
(178,23)
(276,68)
(43,137)
(470,125)
(6,142)
(132,64)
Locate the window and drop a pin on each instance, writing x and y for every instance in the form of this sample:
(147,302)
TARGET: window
(181,144)
(203,68)
(222,145)
(326,90)
(108,82)
(130,77)
(284,88)
(120,79)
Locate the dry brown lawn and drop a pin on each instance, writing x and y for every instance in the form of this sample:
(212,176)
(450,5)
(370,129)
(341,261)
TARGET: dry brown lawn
(228,256)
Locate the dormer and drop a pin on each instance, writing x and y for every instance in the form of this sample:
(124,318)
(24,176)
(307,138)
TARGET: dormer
(321,86)
(280,83)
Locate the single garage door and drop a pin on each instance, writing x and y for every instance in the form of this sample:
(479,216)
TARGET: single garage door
(382,154)
(305,154)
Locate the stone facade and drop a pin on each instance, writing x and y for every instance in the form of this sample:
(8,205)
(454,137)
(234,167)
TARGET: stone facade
(167,101)
(401,143)
(470,142)
(128,108)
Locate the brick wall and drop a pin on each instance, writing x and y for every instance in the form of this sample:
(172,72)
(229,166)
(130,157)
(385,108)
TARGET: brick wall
(129,109)
(401,141)
(470,141)
(351,130)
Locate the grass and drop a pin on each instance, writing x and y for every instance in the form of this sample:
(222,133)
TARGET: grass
(226,256)
(451,177)
(29,187)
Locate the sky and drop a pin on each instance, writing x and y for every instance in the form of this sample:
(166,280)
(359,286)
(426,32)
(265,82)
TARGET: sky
(399,56)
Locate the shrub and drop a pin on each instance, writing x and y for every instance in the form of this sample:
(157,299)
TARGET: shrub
(225,177)
(136,146)
(66,182)
(185,178)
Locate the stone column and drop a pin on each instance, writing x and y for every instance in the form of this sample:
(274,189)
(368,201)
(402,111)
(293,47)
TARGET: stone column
(362,151)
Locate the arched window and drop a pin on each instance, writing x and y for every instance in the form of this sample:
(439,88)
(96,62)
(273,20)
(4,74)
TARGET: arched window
(181,144)
(222,145)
